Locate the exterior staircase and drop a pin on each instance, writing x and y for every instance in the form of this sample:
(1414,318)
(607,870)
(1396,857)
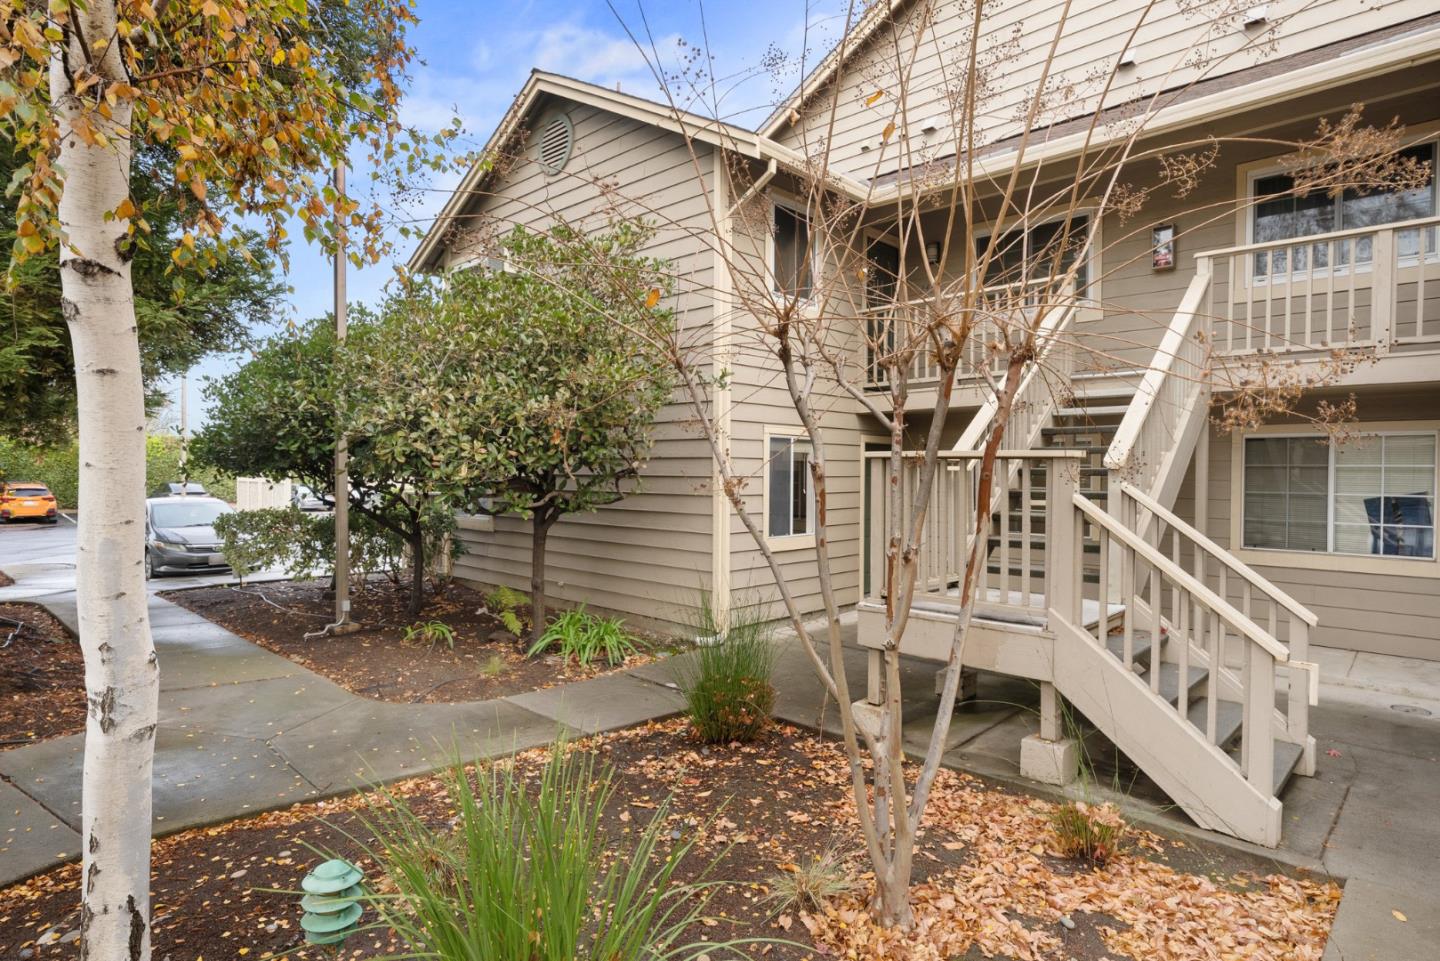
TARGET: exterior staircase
(1160,638)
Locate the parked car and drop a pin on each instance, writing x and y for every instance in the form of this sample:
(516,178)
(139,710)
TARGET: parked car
(306,499)
(175,488)
(180,535)
(20,500)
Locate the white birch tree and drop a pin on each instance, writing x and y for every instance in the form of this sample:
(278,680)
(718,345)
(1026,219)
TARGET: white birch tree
(255,103)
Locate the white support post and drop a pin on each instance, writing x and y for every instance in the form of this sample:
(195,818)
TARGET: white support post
(1259,709)
(1382,288)
(875,676)
(1060,540)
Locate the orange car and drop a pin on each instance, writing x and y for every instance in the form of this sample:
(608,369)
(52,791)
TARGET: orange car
(19,501)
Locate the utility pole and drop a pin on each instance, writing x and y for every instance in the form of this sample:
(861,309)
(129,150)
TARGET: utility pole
(343,624)
(185,432)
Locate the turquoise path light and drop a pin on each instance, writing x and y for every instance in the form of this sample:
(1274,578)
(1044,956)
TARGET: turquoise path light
(331,902)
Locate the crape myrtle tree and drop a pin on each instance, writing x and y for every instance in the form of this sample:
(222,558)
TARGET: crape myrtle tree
(257,106)
(276,417)
(993,312)
(566,375)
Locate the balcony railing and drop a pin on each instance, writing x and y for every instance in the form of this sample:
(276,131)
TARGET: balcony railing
(900,326)
(1367,288)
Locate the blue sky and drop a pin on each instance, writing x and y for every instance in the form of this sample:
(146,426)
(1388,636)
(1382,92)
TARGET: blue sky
(478,54)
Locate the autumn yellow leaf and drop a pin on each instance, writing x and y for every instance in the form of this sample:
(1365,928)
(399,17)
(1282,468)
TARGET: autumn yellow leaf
(126,210)
(888,132)
(874,98)
(652,298)
(1398,915)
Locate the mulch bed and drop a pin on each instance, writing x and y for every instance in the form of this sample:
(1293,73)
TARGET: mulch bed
(376,661)
(988,883)
(42,678)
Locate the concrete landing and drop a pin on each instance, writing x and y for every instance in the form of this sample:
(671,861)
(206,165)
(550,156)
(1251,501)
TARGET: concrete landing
(1370,816)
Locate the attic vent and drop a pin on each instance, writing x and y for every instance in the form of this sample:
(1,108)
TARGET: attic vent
(557,140)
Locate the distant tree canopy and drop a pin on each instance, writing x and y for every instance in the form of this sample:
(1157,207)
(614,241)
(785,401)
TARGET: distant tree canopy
(183,312)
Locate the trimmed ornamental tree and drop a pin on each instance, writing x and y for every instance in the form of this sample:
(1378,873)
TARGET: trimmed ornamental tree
(554,399)
(256,105)
(276,417)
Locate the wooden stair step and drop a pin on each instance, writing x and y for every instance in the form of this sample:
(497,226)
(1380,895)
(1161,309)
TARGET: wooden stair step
(1072,430)
(1140,645)
(1287,755)
(1229,715)
(1169,680)
(1105,410)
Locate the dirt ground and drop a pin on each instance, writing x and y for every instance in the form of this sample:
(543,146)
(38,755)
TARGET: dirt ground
(42,678)
(376,661)
(988,881)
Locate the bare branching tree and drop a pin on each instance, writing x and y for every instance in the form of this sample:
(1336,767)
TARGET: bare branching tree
(921,239)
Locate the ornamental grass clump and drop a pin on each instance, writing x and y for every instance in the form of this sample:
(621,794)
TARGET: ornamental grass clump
(524,871)
(1089,832)
(728,693)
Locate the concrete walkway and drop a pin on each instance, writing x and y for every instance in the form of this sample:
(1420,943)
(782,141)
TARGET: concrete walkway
(1370,817)
(243,730)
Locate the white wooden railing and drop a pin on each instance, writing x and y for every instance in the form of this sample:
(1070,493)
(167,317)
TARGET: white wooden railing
(1015,568)
(1184,611)
(1369,287)
(1155,437)
(1257,597)
(903,325)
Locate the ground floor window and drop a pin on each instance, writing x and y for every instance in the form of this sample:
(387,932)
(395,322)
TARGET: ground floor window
(1373,494)
(791,502)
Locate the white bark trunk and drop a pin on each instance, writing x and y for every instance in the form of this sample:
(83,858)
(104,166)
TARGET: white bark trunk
(121,675)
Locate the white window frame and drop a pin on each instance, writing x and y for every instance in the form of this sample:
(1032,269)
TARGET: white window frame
(1088,306)
(784,542)
(1248,173)
(798,208)
(1328,560)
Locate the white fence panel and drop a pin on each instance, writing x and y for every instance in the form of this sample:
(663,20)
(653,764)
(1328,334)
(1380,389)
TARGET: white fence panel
(256,493)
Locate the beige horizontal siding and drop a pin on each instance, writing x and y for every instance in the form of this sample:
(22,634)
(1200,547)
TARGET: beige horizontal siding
(647,556)
(1016,40)
(1357,610)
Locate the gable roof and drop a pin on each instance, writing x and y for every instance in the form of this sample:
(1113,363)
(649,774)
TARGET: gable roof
(702,129)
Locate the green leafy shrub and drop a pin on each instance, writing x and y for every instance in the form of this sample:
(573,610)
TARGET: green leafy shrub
(526,873)
(504,598)
(587,639)
(727,688)
(506,603)
(301,543)
(430,633)
(1091,832)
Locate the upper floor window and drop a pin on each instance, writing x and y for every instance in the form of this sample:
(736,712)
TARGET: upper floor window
(1372,495)
(1278,213)
(791,501)
(1041,253)
(793,259)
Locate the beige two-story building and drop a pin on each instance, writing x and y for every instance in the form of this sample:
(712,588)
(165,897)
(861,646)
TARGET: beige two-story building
(1164,571)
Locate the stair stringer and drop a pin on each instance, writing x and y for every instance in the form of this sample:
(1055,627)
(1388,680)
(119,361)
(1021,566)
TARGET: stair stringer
(1196,774)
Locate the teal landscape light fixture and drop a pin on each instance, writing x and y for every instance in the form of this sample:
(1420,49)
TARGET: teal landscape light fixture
(331,902)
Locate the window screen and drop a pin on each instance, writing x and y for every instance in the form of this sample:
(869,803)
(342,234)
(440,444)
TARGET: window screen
(793,254)
(788,479)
